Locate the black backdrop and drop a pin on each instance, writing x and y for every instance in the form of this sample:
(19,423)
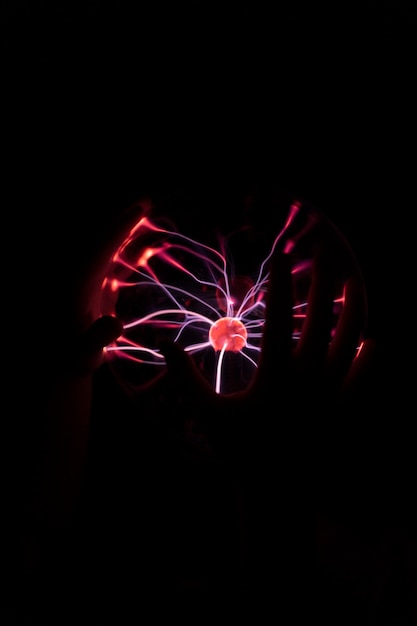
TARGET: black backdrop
(105,103)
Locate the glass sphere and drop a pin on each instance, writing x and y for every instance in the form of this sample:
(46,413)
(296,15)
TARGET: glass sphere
(196,271)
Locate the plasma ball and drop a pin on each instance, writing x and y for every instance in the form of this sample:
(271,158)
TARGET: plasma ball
(164,284)
(229,334)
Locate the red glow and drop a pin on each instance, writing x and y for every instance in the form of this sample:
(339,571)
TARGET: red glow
(229,334)
(145,256)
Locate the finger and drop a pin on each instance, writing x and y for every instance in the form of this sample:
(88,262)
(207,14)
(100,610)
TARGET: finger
(361,368)
(317,327)
(350,325)
(277,332)
(89,348)
(104,330)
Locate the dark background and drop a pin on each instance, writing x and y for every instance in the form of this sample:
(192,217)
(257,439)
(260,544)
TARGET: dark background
(104,103)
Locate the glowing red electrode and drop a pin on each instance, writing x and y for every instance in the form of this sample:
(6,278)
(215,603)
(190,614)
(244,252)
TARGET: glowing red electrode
(228,333)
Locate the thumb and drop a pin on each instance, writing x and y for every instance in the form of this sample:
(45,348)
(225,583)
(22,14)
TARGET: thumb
(183,370)
(88,351)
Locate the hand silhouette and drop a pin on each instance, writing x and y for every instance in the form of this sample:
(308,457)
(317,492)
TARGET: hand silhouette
(294,386)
